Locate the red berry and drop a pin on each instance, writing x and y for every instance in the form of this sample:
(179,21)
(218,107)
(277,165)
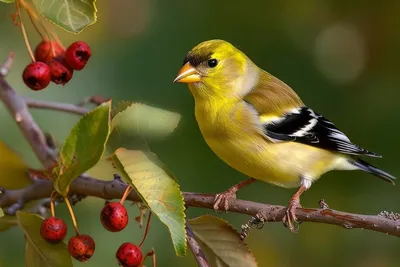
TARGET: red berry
(114,217)
(60,73)
(37,75)
(45,52)
(129,255)
(53,230)
(77,55)
(81,247)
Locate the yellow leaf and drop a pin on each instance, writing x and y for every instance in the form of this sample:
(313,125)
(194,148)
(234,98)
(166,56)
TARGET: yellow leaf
(13,170)
(221,243)
(158,188)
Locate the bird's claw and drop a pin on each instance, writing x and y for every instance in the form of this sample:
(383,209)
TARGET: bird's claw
(290,220)
(224,198)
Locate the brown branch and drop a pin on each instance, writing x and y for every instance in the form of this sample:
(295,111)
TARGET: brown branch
(195,248)
(19,111)
(43,104)
(113,189)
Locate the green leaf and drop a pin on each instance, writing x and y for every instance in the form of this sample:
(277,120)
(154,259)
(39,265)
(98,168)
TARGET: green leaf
(38,252)
(158,189)
(7,1)
(136,120)
(1,213)
(70,15)
(8,221)
(13,170)
(221,243)
(83,147)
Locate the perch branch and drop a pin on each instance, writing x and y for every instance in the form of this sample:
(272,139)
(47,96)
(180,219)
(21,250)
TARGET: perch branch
(387,223)
(114,189)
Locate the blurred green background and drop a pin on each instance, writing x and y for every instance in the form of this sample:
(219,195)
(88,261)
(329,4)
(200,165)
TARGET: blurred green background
(340,56)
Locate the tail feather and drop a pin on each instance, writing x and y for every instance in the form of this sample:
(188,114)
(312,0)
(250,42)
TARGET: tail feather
(364,166)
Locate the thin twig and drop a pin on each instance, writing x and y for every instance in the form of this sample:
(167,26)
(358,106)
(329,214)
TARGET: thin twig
(5,68)
(42,104)
(195,248)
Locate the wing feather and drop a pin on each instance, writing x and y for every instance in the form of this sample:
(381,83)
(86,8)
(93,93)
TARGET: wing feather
(305,126)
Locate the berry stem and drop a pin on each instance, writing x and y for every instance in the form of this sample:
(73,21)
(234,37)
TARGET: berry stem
(151,253)
(126,193)
(71,212)
(28,46)
(52,207)
(147,230)
(34,25)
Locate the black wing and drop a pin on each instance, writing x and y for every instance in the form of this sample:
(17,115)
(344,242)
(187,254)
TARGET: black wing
(303,125)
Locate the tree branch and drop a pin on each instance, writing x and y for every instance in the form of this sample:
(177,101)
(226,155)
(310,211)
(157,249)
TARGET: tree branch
(42,104)
(114,189)
(195,247)
(19,111)
(388,223)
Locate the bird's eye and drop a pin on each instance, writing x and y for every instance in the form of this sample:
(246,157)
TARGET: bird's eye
(212,63)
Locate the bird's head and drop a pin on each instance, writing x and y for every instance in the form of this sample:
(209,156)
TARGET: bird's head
(215,68)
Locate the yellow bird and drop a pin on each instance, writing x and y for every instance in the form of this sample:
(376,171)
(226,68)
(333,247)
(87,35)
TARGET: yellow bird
(259,126)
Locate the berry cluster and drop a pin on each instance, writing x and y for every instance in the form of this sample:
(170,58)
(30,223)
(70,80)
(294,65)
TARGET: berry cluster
(56,64)
(114,218)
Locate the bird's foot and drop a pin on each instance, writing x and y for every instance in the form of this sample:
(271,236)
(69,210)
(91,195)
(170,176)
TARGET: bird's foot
(224,198)
(290,219)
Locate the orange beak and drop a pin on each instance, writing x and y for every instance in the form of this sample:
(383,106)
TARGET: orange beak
(187,74)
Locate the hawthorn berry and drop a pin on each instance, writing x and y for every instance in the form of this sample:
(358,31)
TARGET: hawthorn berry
(48,50)
(77,55)
(37,75)
(60,73)
(81,247)
(114,217)
(129,255)
(53,230)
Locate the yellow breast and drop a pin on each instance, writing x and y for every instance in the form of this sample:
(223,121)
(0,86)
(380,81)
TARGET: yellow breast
(234,133)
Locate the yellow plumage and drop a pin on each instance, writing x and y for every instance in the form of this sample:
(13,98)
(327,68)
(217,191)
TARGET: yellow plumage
(259,126)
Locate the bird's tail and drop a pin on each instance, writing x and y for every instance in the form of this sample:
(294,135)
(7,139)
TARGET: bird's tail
(364,166)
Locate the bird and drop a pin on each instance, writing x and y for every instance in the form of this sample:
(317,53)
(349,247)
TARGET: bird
(258,125)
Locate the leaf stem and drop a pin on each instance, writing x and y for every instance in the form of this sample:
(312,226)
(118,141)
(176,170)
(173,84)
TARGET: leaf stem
(34,25)
(126,193)
(71,212)
(28,46)
(147,229)
(151,253)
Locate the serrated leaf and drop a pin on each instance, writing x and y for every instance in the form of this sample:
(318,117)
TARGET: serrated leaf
(221,243)
(70,15)
(38,251)
(83,147)
(13,170)
(135,120)
(158,189)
